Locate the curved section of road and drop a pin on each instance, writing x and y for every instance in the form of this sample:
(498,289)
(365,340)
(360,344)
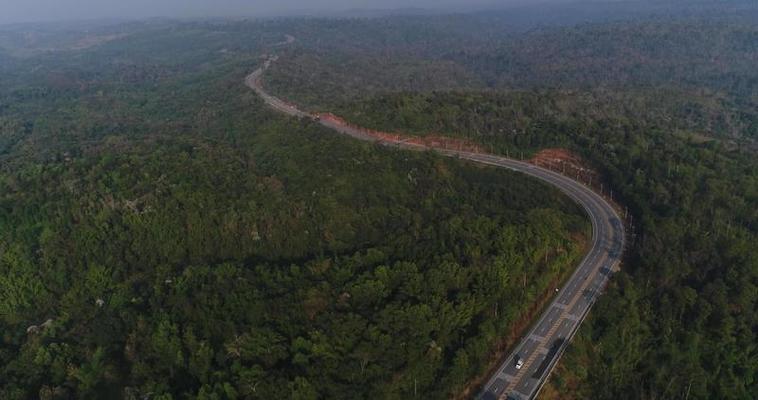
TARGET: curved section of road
(540,349)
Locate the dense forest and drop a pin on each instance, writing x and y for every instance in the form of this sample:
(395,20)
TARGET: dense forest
(680,318)
(164,235)
(673,130)
(680,70)
(666,109)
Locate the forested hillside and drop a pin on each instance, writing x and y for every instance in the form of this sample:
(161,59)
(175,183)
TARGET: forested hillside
(164,235)
(535,119)
(680,69)
(680,318)
(665,108)
(716,54)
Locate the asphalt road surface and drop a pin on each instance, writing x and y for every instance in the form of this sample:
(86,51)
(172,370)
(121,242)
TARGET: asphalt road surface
(543,345)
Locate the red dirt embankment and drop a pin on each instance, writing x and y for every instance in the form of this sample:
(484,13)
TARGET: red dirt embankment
(432,141)
(560,160)
(573,166)
(567,163)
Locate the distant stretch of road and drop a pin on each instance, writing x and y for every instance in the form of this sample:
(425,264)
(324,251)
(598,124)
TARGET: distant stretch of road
(540,349)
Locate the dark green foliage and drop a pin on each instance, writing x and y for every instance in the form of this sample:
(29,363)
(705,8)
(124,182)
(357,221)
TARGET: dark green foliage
(185,242)
(691,53)
(239,254)
(666,110)
(680,320)
(692,69)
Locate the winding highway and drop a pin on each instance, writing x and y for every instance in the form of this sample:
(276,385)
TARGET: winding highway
(539,350)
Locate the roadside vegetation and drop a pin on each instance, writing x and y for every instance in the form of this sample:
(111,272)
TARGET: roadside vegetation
(163,234)
(680,318)
(665,110)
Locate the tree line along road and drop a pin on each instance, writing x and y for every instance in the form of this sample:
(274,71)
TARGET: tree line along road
(521,375)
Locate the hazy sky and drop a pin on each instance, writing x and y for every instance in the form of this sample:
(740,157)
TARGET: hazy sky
(12,11)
